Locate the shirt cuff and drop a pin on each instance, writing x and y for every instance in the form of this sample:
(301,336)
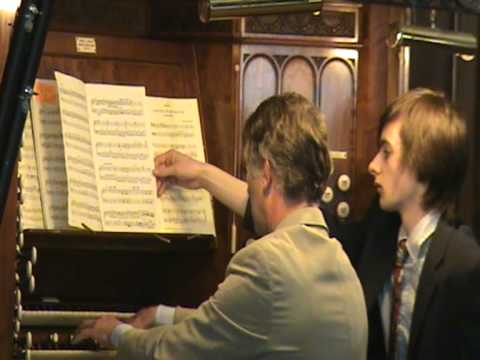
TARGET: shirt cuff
(118,332)
(164,315)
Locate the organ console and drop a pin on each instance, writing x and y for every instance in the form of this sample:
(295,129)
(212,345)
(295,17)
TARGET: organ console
(51,280)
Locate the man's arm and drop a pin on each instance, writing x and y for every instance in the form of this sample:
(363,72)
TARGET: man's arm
(174,168)
(152,316)
(233,323)
(181,313)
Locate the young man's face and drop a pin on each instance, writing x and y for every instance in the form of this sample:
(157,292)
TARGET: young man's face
(396,184)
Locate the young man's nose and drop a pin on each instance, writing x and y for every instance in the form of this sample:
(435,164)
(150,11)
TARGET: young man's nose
(373,167)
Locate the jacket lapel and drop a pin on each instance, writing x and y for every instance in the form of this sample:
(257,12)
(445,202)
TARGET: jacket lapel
(427,284)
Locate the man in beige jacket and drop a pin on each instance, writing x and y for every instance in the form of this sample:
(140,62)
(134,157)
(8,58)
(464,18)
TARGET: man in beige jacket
(292,294)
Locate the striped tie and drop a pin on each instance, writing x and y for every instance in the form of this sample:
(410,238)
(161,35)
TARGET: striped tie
(402,254)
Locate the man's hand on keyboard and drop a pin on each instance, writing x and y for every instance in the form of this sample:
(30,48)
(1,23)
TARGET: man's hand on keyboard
(100,331)
(143,319)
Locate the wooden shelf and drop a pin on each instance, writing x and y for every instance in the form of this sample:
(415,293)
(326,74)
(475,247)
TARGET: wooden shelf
(116,241)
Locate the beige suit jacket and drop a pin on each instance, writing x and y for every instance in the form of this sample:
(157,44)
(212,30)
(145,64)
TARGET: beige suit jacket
(293,294)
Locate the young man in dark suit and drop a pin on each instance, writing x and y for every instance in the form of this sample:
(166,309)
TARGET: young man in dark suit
(420,276)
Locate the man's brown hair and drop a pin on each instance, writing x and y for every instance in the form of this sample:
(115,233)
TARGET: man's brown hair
(433,137)
(290,132)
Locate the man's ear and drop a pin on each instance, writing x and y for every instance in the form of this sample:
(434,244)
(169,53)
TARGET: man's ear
(267,177)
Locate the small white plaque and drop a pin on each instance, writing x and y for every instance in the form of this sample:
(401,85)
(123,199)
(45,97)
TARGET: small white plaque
(338,155)
(86,45)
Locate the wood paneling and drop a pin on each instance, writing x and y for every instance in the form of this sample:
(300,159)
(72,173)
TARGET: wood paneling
(372,98)
(108,17)
(6,18)
(218,79)
(299,76)
(337,102)
(260,81)
(180,18)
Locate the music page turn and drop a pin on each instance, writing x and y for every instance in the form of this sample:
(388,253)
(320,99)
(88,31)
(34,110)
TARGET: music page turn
(83,203)
(122,156)
(175,124)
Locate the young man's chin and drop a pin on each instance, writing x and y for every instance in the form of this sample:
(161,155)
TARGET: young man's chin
(386,206)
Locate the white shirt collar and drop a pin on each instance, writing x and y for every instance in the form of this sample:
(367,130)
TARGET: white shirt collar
(420,233)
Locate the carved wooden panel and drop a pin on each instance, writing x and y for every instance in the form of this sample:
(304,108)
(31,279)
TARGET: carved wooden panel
(328,77)
(339,23)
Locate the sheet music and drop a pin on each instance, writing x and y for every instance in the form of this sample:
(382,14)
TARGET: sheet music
(50,154)
(83,201)
(175,124)
(123,157)
(31,214)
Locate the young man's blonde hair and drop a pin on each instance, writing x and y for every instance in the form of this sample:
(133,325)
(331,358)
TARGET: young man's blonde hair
(289,132)
(433,138)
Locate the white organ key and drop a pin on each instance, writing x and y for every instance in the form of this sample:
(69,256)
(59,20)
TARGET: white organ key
(65,318)
(69,355)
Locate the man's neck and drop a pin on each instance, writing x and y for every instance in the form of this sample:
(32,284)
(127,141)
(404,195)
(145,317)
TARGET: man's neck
(280,209)
(411,216)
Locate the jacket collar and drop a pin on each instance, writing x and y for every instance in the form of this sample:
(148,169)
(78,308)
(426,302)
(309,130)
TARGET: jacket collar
(310,216)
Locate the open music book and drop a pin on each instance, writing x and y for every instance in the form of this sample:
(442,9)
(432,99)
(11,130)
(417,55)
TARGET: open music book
(94,147)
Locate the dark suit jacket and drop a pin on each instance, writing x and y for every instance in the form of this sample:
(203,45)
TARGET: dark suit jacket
(446,316)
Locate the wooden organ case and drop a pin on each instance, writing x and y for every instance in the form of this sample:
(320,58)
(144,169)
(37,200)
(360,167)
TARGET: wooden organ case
(50,280)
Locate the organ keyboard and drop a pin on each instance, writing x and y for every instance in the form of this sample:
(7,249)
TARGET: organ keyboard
(63,318)
(45,330)
(48,334)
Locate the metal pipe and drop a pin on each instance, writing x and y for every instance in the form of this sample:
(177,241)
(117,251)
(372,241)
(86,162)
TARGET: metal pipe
(228,9)
(461,42)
